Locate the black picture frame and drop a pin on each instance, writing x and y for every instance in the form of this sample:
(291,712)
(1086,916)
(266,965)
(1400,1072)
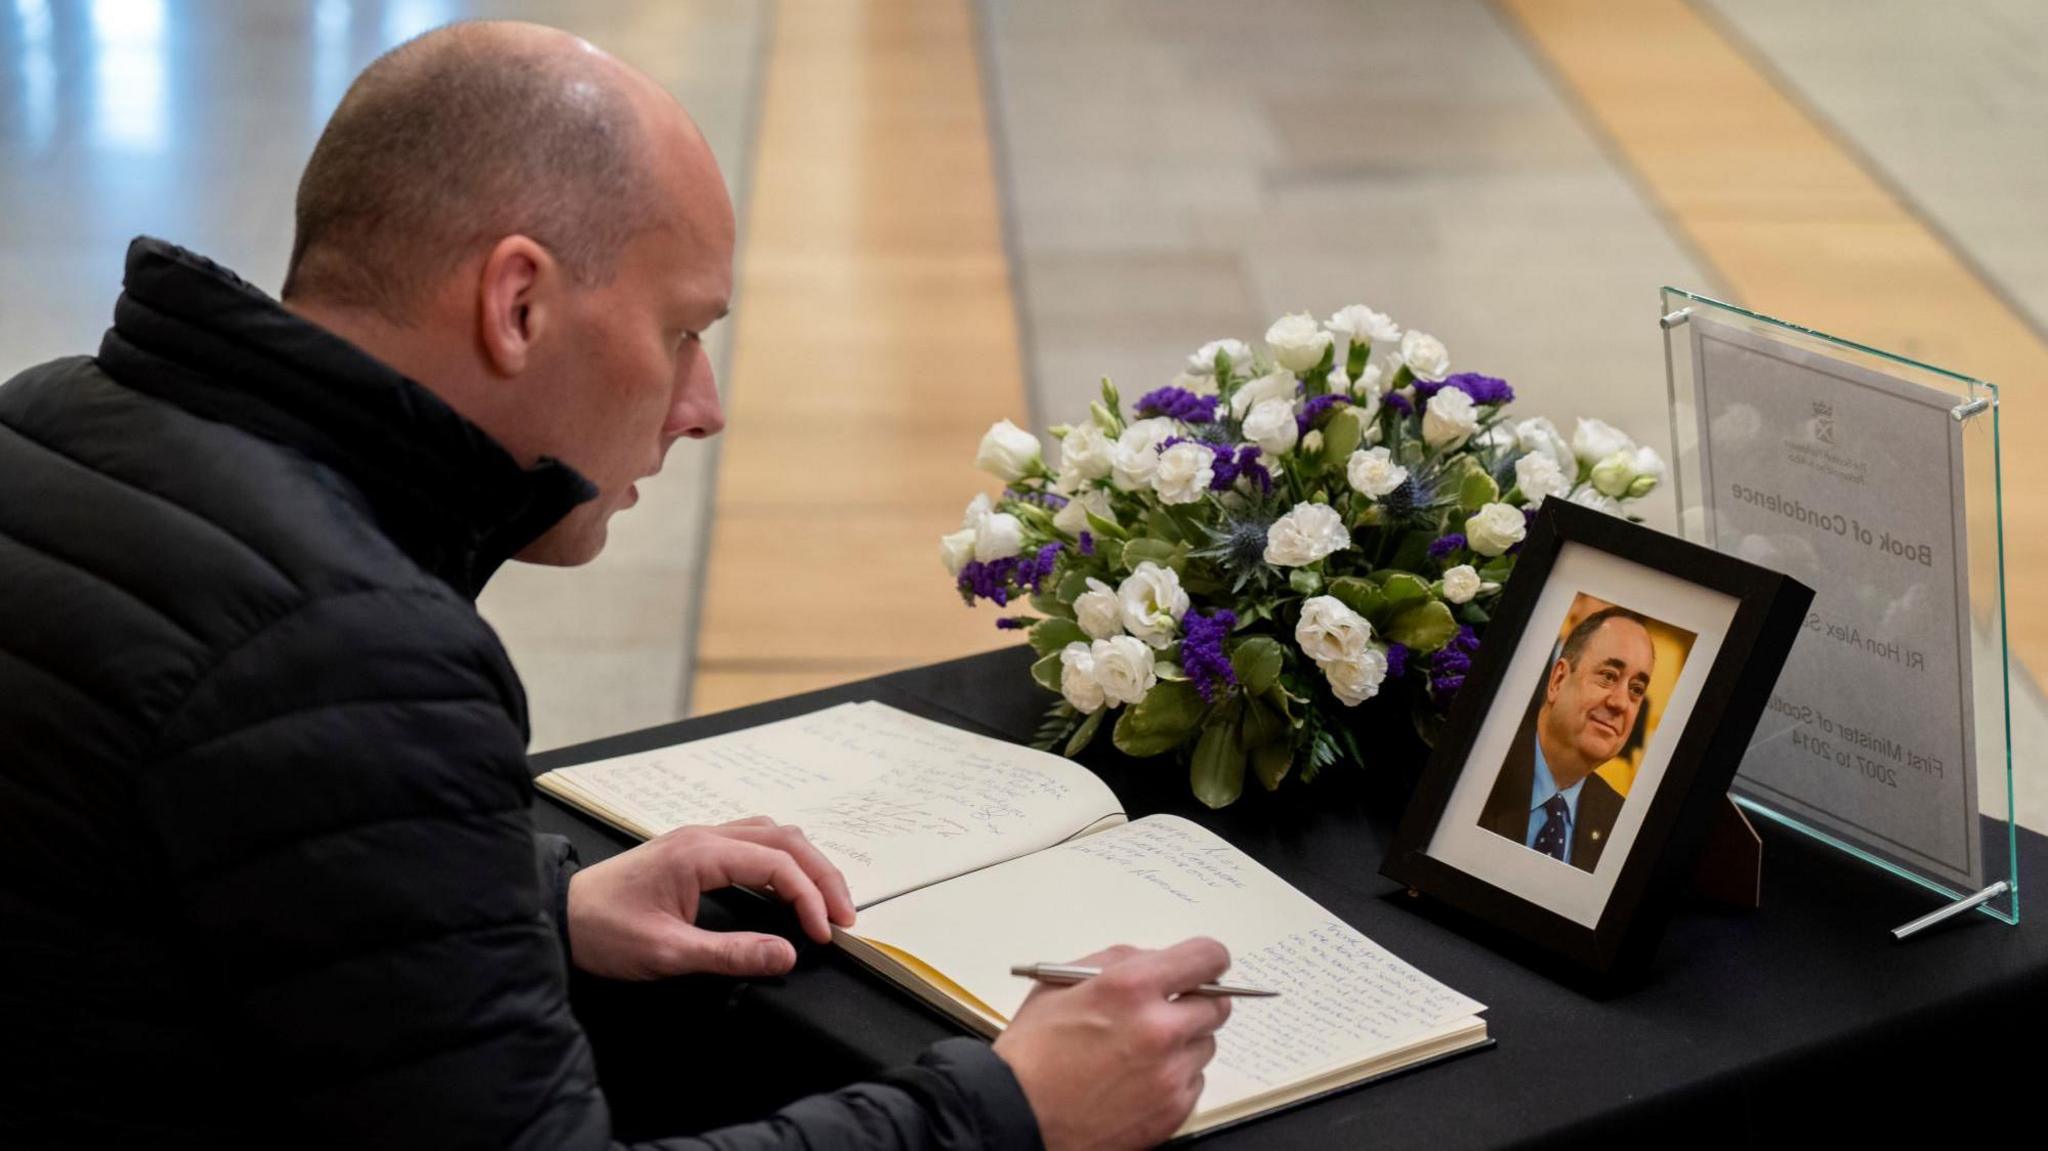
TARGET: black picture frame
(1709,749)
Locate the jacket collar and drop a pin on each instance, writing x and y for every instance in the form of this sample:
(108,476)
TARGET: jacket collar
(193,333)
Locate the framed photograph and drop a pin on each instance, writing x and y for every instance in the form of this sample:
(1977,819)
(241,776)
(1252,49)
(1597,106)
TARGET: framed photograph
(1594,740)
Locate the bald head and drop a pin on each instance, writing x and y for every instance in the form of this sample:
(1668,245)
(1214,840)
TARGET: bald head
(467,134)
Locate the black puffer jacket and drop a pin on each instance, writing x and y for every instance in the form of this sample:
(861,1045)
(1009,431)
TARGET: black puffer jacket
(268,872)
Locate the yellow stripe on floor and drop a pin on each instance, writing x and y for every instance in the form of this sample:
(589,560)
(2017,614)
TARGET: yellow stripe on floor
(875,341)
(1796,227)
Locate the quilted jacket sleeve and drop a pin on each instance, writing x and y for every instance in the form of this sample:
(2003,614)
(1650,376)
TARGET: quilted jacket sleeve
(342,808)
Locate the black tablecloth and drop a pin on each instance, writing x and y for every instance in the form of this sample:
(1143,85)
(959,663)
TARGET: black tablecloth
(1803,1015)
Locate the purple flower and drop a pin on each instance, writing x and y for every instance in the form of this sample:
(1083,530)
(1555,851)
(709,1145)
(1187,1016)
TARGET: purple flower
(1314,409)
(1450,661)
(1467,638)
(1013,623)
(1443,546)
(1201,652)
(1397,660)
(1399,402)
(1179,403)
(1087,544)
(1244,465)
(1445,686)
(1052,500)
(1482,389)
(1000,580)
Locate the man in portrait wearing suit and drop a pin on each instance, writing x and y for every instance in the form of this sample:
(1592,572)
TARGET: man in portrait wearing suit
(1547,797)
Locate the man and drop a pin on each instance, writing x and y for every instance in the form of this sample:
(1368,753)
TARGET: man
(262,774)
(1547,797)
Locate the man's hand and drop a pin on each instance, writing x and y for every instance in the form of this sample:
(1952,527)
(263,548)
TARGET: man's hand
(633,916)
(1113,1062)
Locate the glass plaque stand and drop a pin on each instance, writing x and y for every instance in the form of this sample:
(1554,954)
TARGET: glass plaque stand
(1873,479)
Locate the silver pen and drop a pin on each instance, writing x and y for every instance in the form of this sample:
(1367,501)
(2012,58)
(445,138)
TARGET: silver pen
(1069,973)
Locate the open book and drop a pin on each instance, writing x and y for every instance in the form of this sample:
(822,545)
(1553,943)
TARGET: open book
(967,855)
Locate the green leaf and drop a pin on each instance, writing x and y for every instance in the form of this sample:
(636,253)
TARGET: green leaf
(1164,554)
(1357,594)
(1051,636)
(1424,628)
(1073,586)
(1402,590)
(1171,672)
(1477,490)
(1304,581)
(1159,722)
(1047,672)
(1413,550)
(1085,734)
(1161,525)
(1107,529)
(1050,605)
(1217,772)
(1498,570)
(1270,763)
(1342,435)
(1475,615)
(1262,725)
(1256,660)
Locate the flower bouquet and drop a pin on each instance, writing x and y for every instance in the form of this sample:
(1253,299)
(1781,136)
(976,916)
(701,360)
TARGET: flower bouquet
(1226,567)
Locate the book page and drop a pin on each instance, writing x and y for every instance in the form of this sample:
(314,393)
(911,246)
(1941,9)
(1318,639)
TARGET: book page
(1343,998)
(895,800)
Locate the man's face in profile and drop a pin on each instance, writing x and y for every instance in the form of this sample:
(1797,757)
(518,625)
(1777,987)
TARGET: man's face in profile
(1592,707)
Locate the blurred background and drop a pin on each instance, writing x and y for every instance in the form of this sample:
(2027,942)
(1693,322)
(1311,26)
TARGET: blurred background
(957,211)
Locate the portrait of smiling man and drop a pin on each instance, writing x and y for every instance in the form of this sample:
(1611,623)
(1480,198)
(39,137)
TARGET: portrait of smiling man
(1547,797)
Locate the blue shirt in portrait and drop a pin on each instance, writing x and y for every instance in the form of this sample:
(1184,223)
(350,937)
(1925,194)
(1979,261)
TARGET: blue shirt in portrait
(1540,792)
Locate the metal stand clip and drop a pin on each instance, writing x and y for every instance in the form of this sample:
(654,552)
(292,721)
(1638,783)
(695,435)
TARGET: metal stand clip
(1957,908)
(1674,319)
(1964,411)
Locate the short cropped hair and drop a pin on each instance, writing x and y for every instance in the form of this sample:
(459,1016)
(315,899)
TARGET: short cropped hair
(451,142)
(1575,642)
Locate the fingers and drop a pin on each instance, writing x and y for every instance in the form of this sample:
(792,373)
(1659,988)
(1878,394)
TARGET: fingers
(1180,968)
(727,861)
(822,872)
(738,953)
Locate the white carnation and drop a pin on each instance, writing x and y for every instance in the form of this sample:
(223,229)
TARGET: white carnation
(1373,472)
(1461,583)
(1306,534)
(1272,386)
(1008,452)
(1595,440)
(1199,385)
(1495,528)
(1137,453)
(1329,630)
(1153,603)
(1271,426)
(1085,454)
(1539,477)
(1123,668)
(1077,678)
(955,549)
(1297,343)
(1073,519)
(1589,496)
(1450,419)
(1540,435)
(1098,611)
(1359,324)
(1000,536)
(1184,473)
(1203,362)
(1355,680)
(1425,356)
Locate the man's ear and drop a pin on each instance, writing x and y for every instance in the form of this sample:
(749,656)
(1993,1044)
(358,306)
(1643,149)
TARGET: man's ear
(1558,670)
(518,289)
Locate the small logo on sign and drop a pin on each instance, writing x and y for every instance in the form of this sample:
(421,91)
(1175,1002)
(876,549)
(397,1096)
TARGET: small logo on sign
(1824,423)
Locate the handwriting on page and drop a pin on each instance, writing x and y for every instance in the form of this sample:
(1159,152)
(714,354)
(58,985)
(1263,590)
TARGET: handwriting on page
(1165,856)
(1341,995)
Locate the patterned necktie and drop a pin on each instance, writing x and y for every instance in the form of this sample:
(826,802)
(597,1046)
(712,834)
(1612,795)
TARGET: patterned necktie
(1550,837)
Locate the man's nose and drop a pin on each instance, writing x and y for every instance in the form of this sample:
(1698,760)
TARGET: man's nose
(697,412)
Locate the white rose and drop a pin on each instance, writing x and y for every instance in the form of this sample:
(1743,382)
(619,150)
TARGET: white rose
(1461,583)
(1649,467)
(1359,324)
(1123,668)
(1008,452)
(1085,454)
(1540,435)
(1306,534)
(1203,362)
(1495,528)
(1073,519)
(1425,356)
(1137,453)
(1077,678)
(1271,426)
(1273,386)
(1000,536)
(1153,603)
(977,511)
(1098,612)
(1184,473)
(1329,630)
(955,549)
(1373,472)
(1539,477)
(1355,680)
(1449,420)
(1297,343)
(1590,497)
(1594,440)
(1312,443)
(1628,474)
(1337,383)
(1200,385)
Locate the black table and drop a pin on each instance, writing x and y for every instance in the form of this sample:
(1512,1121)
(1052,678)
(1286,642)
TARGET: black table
(1803,1016)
